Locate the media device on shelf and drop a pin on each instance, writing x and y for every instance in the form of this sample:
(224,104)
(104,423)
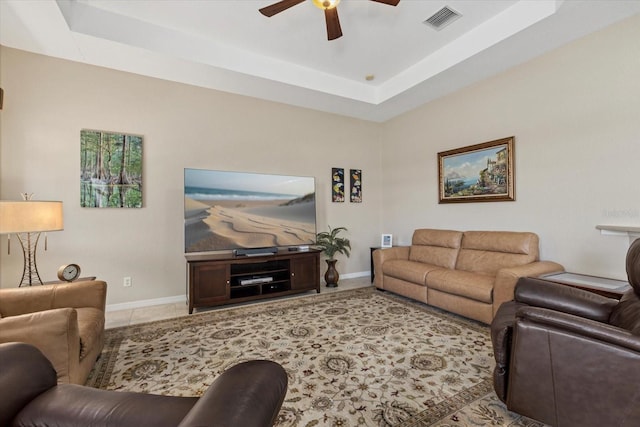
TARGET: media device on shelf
(301,248)
(256,280)
(248,213)
(256,251)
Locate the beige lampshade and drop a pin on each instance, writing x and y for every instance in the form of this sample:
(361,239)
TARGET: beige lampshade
(30,216)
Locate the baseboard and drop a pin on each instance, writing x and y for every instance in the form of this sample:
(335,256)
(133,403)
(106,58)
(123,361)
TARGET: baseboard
(147,303)
(355,275)
(183,299)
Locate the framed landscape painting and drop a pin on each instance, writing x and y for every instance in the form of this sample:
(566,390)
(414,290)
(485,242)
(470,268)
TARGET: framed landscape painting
(110,170)
(478,173)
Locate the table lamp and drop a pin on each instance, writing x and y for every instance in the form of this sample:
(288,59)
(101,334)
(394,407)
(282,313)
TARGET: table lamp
(27,219)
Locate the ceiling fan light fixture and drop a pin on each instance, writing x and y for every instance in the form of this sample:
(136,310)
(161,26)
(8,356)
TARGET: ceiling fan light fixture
(325,4)
(329,7)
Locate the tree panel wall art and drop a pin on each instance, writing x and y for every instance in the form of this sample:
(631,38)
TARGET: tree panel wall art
(110,170)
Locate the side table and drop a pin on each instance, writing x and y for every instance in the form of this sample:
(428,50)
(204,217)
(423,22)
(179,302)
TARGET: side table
(610,288)
(373,248)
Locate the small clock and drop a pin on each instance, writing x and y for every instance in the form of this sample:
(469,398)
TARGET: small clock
(69,272)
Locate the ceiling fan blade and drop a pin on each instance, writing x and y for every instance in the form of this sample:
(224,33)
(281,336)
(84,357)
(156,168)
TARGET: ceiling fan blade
(333,23)
(389,2)
(279,7)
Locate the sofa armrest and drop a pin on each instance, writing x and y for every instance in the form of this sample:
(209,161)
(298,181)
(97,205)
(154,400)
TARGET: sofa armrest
(382,255)
(506,279)
(53,332)
(16,301)
(248,394)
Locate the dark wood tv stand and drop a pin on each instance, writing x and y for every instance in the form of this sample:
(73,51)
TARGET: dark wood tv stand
(218,279)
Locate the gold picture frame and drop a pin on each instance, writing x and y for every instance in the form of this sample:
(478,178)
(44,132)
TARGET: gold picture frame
(478,173)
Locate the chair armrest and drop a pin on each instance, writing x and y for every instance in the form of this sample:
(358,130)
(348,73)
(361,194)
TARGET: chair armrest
(501,337)
(25,374)
(506,278)
(545,294)
(575,325)
(16,301)
(53,332)
(382,255)
(567,370)
(249,394)
(92,293)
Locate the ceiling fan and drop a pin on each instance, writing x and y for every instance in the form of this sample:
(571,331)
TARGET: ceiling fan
(330,12)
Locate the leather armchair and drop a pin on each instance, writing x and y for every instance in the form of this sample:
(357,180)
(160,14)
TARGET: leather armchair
(65,321)
(568,357)
(249,394)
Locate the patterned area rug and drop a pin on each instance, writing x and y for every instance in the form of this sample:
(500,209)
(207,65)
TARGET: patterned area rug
(354,358)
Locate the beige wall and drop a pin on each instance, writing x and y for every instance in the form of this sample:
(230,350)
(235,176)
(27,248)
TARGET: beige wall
(575,114)
(48,101)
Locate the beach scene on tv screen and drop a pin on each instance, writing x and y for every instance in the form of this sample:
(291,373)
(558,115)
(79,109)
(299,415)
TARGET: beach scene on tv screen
(232,210)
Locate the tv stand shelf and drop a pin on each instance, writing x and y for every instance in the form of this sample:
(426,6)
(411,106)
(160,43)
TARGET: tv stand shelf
(218,279)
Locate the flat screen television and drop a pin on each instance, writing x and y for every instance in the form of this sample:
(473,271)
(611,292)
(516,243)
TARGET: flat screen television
(238,210)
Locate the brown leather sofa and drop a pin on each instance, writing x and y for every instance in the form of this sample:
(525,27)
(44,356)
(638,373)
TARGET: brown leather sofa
(568,357)
(249,394)
(65,321)
(470,273)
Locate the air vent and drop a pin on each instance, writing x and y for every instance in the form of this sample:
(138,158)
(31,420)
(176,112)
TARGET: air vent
(442,18)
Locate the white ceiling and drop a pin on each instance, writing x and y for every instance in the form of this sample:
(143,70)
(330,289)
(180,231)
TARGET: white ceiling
(227,45)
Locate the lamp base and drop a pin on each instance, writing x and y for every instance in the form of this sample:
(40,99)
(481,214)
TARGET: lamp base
(29,242)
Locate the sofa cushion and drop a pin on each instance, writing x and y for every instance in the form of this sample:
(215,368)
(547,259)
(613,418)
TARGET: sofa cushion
(489,251)
(466,284)
(436,247)
(90,328)
(410,271)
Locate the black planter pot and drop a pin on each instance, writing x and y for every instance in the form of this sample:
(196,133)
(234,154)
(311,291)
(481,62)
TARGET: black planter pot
(331,277)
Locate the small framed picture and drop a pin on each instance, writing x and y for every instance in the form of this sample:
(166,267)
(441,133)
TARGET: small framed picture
(337,185)
(386,241)
(356,185)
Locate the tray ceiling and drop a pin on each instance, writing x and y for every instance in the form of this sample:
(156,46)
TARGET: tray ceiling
(387,62)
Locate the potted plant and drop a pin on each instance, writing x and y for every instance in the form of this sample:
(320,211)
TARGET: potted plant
(331,244)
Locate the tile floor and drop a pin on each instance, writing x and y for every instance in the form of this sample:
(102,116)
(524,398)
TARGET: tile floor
(134,316)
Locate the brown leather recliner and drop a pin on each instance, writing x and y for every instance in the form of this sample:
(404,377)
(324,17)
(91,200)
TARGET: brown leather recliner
(249,394)
(568,357)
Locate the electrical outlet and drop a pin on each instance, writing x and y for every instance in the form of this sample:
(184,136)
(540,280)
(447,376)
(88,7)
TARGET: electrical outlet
(127,282)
